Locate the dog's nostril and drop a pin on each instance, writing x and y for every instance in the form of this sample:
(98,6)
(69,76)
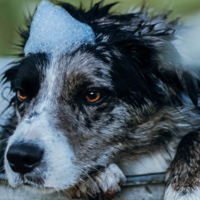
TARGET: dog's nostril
(23,158)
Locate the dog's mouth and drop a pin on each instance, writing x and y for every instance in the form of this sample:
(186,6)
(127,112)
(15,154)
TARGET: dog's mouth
(37,183)
(38,188)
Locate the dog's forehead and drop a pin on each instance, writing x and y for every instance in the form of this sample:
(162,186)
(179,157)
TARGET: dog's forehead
(87,64)
(79,68)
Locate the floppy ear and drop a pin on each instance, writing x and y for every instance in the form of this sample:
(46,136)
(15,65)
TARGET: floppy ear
(174,72)
(170,60)
(159,67)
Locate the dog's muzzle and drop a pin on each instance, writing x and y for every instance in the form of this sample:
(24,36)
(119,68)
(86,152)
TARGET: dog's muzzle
(23,158)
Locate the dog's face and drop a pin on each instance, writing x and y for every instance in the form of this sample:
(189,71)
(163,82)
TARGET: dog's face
(81,112)
(69,110)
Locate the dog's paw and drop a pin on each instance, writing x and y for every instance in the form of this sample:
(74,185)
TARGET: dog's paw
(183,176)
(184,194)
(110,180)
(182,183)
(104,185)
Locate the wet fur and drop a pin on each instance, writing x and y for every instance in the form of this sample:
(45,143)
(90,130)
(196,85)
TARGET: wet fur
(135,64)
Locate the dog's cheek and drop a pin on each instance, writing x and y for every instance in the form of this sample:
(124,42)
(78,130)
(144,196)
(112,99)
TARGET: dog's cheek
(58,162)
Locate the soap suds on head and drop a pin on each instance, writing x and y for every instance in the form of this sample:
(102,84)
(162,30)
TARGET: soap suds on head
(55,32)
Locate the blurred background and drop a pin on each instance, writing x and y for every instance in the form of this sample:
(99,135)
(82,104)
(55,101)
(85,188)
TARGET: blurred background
(13,13)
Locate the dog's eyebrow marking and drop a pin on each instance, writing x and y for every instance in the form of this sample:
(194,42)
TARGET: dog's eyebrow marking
(29,74)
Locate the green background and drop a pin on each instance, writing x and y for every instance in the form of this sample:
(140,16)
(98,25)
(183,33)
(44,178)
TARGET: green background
(13,12)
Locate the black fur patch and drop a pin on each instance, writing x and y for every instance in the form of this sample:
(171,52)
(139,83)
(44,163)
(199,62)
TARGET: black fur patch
(27,74)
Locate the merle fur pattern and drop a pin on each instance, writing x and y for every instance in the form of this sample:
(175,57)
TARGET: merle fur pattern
(143,82)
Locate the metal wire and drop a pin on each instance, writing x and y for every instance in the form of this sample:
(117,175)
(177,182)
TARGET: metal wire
(136,180)
(145,179)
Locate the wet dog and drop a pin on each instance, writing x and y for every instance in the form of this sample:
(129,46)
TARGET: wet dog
(85,119)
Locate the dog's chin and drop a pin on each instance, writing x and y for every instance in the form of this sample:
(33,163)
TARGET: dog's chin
(38,188)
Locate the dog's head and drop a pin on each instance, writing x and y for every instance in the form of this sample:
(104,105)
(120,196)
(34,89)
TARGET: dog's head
(78,113)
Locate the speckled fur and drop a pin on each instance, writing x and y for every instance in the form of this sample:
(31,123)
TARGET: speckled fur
(145,83)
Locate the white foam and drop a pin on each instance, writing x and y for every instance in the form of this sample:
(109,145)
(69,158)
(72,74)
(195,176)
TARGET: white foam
(54,31)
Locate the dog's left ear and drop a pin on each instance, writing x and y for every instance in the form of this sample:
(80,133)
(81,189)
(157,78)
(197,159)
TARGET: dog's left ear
(179,78)
(187,78)
(162,68)
(176,74)
(171,69)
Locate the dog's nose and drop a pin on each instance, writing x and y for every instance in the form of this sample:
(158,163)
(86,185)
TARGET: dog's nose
(23,158)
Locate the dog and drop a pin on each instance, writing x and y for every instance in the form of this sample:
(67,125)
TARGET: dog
(84,120)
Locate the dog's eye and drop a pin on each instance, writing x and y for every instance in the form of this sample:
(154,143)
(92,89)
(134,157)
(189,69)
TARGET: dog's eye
(93,96)
(21,95)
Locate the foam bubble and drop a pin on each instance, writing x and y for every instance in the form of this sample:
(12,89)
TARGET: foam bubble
(55,32)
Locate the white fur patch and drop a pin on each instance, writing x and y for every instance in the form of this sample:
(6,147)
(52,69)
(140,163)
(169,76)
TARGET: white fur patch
(56,168)
(171,194)
(111,178)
